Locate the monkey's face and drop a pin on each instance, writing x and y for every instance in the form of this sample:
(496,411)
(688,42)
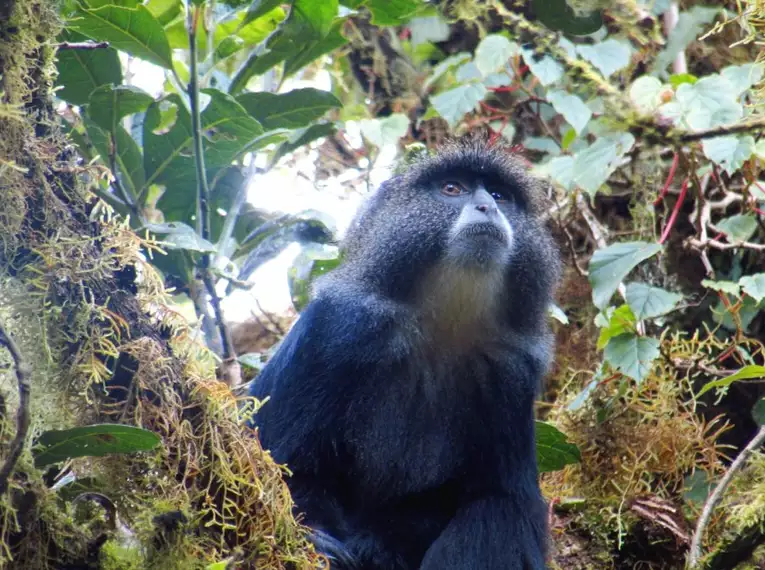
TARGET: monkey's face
(480,235)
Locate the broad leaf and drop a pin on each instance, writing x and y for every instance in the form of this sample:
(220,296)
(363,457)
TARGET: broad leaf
(554,452)
(750,372)
(165,11)
(387,130)
(632,355)
(730,151)
(729,287)
(259,8)
(127,154)
(622,320)
(452,105)
(493,53)
(572,108)
(109,104)
(558,15)
(303,137)
(742,77)
(609,56)
(92,441)
(593,165)
(739,227)
(391,12)
(609,267)
(754,286)
(545,68)
(80,71)
(648,302)
(291,110)
(132,30)
(645,93)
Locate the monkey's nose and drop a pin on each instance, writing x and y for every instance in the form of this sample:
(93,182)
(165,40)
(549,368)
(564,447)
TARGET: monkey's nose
(485,208)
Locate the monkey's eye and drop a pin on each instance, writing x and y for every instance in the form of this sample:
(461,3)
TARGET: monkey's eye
(452,189)
(499,197)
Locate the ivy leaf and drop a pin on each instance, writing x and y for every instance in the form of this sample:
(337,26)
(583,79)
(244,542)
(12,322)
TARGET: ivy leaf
(648,302)
(80,71)
(754,286)
(554,452)
(572,108)
(728,287)
(92,441)
(108,104)
(739,227)
(645,93)
(609,267)
(291,110)
(545,68)
(391,12)
(750,372)
(632,355)
(742,77)
(609,56)
(493,53)
(593,165)
(452,105)
(730,151)
(132,30)
(385,131)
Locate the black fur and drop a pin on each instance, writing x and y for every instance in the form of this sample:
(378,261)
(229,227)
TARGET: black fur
(402,399)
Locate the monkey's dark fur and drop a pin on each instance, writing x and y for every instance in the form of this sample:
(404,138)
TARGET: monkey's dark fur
(402,399)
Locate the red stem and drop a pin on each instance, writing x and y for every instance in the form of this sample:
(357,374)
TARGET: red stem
(672,169)
(675,212)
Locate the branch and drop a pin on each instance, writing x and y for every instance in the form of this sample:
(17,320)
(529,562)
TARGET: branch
(22,414)
(82,45)
(230,366)
(716,495)
(687,137)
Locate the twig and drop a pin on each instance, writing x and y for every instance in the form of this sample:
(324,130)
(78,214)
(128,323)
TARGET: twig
(22,414)
(716,495)
(745,127)
(716,244)
(82,45)
(230,367)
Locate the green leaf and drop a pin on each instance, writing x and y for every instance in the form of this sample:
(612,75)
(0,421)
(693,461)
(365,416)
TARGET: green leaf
(80,71)
(558,15)
(742,77)
(291,110)
(572,108)
(750,372)
(319,15)
(259,8)
(443,67)
(109,104)
(754,286)
(609,267)
(689,25)
(545,68)
(391,12)
(554,452)
(593,165)
(92,441)
(730,151)
(165,11)
(493,53)
(132,30)
(648,302)
(315,49)
(739,227)
(645,93)
(728,287)
(622,320)
(428,29)
(128,156)
(677,79)
(452,105)
(303,137)
(709,102)
(181,236)
(385,131)
(609,56)
(632,355)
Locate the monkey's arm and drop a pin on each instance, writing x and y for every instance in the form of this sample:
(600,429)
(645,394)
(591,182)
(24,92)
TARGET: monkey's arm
(336,345)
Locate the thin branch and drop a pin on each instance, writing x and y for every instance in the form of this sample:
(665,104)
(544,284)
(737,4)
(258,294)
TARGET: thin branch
(745,127)
(716,495)
(82,45)
(22,414)
(230,367)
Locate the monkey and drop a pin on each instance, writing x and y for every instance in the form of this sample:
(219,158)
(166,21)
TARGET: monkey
(402,398)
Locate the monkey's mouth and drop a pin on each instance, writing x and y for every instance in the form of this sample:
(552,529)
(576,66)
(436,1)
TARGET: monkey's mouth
(485,230)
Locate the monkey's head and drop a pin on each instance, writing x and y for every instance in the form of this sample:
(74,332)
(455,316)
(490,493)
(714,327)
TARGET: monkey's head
(463,227)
